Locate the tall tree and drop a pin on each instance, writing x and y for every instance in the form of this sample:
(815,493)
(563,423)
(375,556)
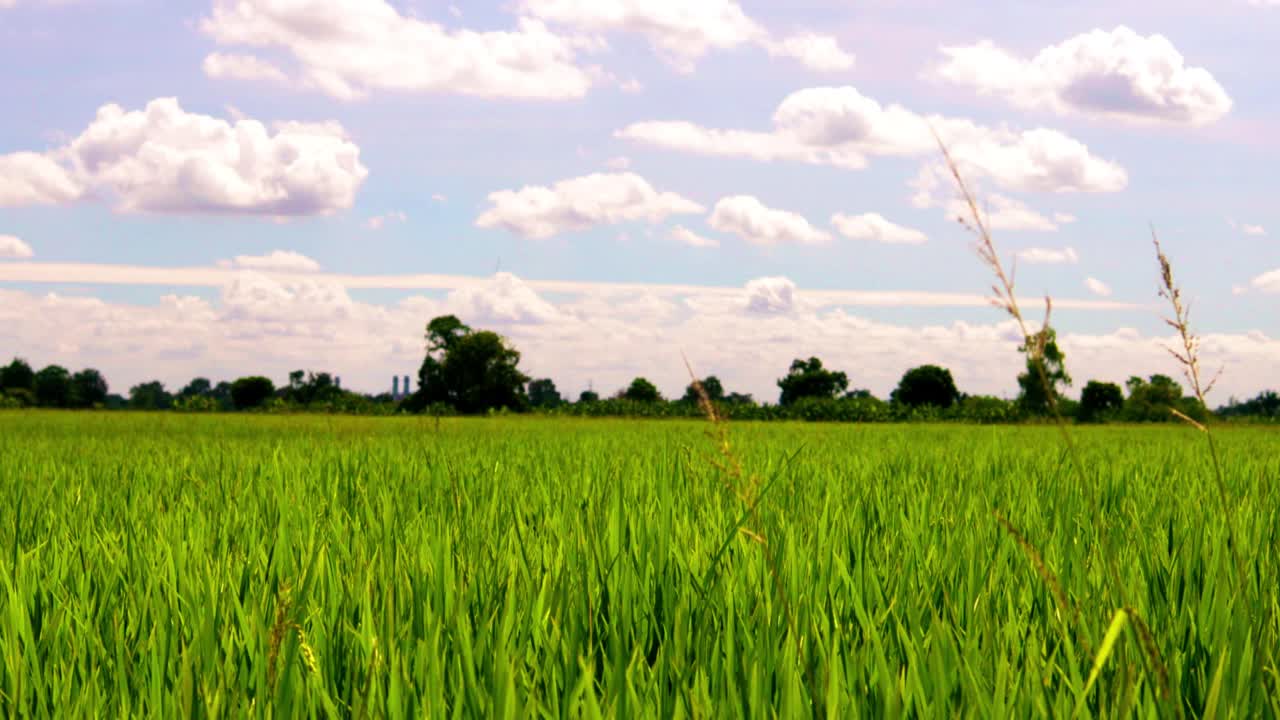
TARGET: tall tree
(1100,401)
(543,394)
(641,390)
(150,396)
(443,334)
(17,375)
(926,385)
(808,379)
(472,371)
(711,385)
(197,387)
(88,388)
(53,387)
(1045,373)
(251,392)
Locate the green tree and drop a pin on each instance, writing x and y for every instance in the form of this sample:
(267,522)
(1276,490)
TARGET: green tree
(926,385)
(589,396)
(251,392)
(807,378)
(1100,401)
(1045,373)
(17,375)
(710,384)
(150,396)
(53,387)
(480,372)
(543,394)
(88,388)
(443,334)
(1155,399)
(641,390)
(198,387)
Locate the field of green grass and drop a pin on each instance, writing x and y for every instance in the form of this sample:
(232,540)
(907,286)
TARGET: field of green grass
(223,566)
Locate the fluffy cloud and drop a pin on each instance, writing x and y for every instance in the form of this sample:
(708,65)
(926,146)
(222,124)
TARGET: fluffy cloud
(276,260)
(541,212)
(1097,287)
(683,32)
(1116,75)
(241,67)
(347,48)
(841,127)
(817,52)
(1267,282)
(747,336)
(163,159)
(758,224)
(13,248)
(770,296)
(688,237)
(1049,256)
(873,226)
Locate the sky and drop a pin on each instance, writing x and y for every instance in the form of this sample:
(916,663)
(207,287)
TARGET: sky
(229,187)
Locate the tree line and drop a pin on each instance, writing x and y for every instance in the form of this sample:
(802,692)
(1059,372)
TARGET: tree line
(469,371)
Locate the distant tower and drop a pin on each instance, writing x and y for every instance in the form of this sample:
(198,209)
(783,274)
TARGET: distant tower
(406,385)
(395,387)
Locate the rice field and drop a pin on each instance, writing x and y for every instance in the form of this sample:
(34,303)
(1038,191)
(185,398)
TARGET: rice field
(230,566)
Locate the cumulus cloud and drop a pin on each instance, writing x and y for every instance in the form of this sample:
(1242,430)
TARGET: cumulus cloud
(276,260)
(1115,74)
(683,32)
(770,296)
(1256,230)
(758,224)
(540,212)
(1097,287)
(1267,282)
(261,323)
(377,222)
(13,248)
(619,163)
(874,226)
(839,126)
(241,67)
(163,159)
(688,237)
(1049,256)
(817,52)
(348,48)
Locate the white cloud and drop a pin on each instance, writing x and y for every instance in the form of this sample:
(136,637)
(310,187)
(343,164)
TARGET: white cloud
(541,212)
(1000,212)
(241,67)
(683,32)
(165,160)
(1115,74)
(1256,230)
(839,126)
(1097,287)
(758,224)
(276,260)
(817,52)
(377,222)
(619,163)
(770,296)
(348,48)
(268,325)
(13,248)
(1064,218)
(1267,282)
(439,197)
(873,226)
(684,235)
(1049,256)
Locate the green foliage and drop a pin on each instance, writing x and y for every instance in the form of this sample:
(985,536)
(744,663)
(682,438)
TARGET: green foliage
(1266,405)
(1155,399)
(642,391)
(251,392)
(150,396)
(293,566)
(17,375)
(88,389)
(471,371)
(808,379)
(1046,374)
(53,387)
(589,396)
(1100,401)
(196,403)
(711,385)
(543,394)
(927,385)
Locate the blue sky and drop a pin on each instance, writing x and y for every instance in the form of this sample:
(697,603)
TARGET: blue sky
(226,187)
